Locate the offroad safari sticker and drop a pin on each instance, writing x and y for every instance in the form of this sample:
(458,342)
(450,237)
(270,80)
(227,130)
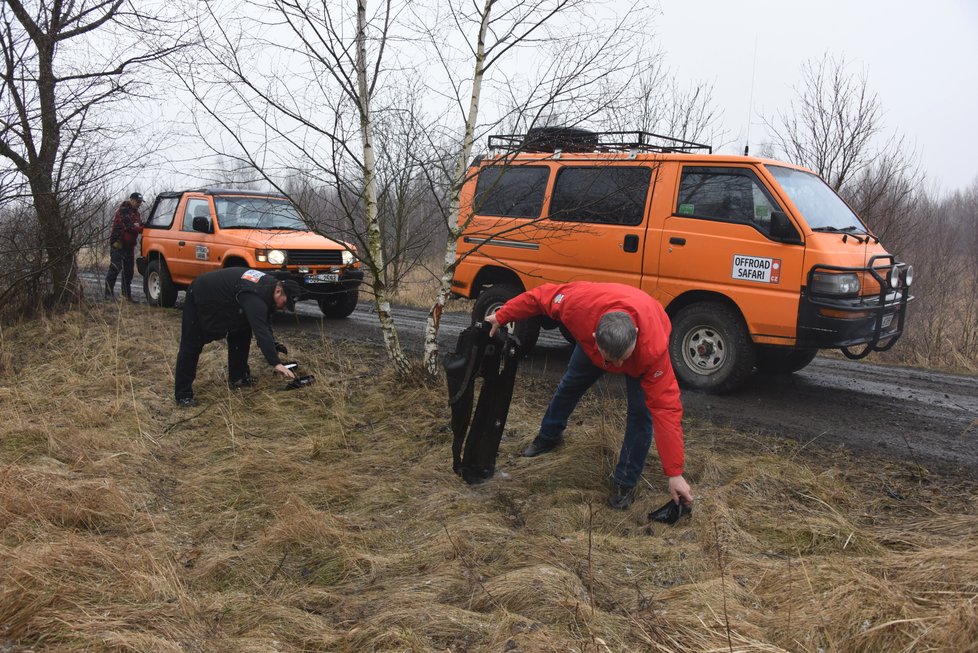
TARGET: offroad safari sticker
(202,252)
(755,268)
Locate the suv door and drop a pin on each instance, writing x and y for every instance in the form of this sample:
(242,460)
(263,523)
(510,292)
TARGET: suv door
(196,252)
(720,238)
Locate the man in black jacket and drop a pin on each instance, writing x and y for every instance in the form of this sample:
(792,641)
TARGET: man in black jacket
(231,303)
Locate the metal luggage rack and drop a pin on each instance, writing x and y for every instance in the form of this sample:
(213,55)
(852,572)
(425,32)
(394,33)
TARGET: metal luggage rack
(582,141)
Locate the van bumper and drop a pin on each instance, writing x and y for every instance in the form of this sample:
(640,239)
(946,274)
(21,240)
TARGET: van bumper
(874,323)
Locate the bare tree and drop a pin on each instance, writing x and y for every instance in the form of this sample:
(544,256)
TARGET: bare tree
(57,89)
(583,70)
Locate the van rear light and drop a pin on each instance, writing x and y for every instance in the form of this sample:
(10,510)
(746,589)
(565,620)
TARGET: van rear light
(828,283)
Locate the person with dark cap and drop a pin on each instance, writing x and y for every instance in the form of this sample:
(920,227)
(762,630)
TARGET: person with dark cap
(126,227)
(618,329)
(231,304)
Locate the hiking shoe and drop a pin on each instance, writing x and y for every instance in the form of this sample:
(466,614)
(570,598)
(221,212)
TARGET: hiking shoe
(540,446)
(187,402)
(621,497)
(244,382)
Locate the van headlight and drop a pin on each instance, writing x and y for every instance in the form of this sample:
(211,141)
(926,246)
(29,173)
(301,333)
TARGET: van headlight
(348,257)
(828,283)
(908,275)
(894,277)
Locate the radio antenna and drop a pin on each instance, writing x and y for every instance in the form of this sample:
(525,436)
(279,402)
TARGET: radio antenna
(750,103)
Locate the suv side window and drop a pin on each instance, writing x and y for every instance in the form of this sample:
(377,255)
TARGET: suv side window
(605,195)
(726,194)
(511,191)
(163,214)
(195,208)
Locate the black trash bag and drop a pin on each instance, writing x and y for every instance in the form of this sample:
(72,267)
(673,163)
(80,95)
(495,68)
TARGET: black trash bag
(476,438)
(671,512)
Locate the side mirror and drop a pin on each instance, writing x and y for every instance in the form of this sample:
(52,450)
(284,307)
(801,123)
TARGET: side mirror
(783,230)
(202,224)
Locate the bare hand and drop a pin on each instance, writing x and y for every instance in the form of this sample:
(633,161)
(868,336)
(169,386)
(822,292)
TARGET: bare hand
(491,319)
(284,371)
(678,487)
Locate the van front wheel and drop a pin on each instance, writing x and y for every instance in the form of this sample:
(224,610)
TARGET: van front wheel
(710,348)
(491,299)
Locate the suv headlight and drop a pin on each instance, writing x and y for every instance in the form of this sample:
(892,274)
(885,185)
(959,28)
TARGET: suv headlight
(828,283)
(348,257)
(276,256)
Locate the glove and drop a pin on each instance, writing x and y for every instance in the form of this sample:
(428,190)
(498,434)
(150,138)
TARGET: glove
(280,348)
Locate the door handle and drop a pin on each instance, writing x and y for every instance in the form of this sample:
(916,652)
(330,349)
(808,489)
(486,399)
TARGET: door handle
(676,240)
(182,243)
(631,243)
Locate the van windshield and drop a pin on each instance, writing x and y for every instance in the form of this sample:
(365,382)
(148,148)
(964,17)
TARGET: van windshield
(258,213)
(819,204)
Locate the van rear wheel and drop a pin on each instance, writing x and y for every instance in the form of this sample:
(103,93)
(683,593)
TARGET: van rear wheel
(710,348)
(491,299)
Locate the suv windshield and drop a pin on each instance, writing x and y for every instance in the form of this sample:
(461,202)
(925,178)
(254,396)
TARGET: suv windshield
(258,213)
(819,205)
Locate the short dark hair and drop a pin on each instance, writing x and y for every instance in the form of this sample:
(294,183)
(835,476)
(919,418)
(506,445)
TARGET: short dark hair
(616,333)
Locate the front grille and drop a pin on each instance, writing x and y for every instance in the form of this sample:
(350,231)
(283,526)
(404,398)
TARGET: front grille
(314,257)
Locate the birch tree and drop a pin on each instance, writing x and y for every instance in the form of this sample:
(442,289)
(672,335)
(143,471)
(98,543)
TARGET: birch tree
(584,67)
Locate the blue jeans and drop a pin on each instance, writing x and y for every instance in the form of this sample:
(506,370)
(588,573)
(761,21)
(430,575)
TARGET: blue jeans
(580,375)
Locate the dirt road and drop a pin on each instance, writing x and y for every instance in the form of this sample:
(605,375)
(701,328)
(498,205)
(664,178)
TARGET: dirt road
(902,413)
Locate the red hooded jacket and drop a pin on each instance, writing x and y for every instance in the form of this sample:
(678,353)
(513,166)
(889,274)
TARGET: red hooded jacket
(579,306)
(126,225)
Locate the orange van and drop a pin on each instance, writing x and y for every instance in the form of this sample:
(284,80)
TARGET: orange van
(192,232)
(759,263)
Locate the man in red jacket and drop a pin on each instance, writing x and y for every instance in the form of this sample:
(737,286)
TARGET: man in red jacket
(622,330)
(126,227)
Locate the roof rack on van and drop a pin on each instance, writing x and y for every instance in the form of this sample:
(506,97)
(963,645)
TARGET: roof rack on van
(566,139)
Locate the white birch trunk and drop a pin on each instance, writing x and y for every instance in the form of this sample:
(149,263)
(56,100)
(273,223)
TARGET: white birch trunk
(382,303)
(430,360)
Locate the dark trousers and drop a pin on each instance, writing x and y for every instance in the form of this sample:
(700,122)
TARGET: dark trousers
(581,374)
(120,260)
(192,341)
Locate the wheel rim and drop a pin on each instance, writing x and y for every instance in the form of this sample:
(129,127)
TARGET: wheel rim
(153,286)
(495,306)
(704,351)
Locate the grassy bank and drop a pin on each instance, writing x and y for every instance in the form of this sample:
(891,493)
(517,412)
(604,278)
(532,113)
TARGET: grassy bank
(329,519)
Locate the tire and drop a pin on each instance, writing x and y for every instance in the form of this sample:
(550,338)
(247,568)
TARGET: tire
(491,299)
(341,304)
(158,286)
(782,360)
(710,348)
(568,336)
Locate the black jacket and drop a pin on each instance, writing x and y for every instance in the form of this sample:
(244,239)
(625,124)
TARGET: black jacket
(237,298)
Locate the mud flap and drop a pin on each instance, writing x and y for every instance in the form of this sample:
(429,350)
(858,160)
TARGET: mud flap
(476,438)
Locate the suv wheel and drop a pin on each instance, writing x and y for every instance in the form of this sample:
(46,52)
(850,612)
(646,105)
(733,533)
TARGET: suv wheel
(340,304)
(491,299)
(710,348)
(783,360)
(158,286)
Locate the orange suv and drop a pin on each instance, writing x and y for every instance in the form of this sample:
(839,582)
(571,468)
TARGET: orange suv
(192,232)
(759,263)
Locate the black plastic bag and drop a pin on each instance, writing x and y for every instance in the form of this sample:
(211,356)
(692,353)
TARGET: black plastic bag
(671,512)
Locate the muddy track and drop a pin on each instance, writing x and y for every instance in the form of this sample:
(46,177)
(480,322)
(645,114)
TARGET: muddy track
(905,414)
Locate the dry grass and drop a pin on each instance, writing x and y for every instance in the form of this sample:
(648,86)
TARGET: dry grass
(329,520)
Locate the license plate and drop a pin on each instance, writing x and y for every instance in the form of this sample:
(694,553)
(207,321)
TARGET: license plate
(887,321)
(322,278)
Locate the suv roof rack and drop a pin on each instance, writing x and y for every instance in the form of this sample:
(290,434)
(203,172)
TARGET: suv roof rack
(565,139)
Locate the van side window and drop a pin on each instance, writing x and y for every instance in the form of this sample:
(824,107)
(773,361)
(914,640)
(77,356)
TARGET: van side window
(727,194)
(511,191)
(163,214)
(195,208)
(606,195)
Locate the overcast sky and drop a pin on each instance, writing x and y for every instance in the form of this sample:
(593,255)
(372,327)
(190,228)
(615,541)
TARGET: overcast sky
(921,58)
